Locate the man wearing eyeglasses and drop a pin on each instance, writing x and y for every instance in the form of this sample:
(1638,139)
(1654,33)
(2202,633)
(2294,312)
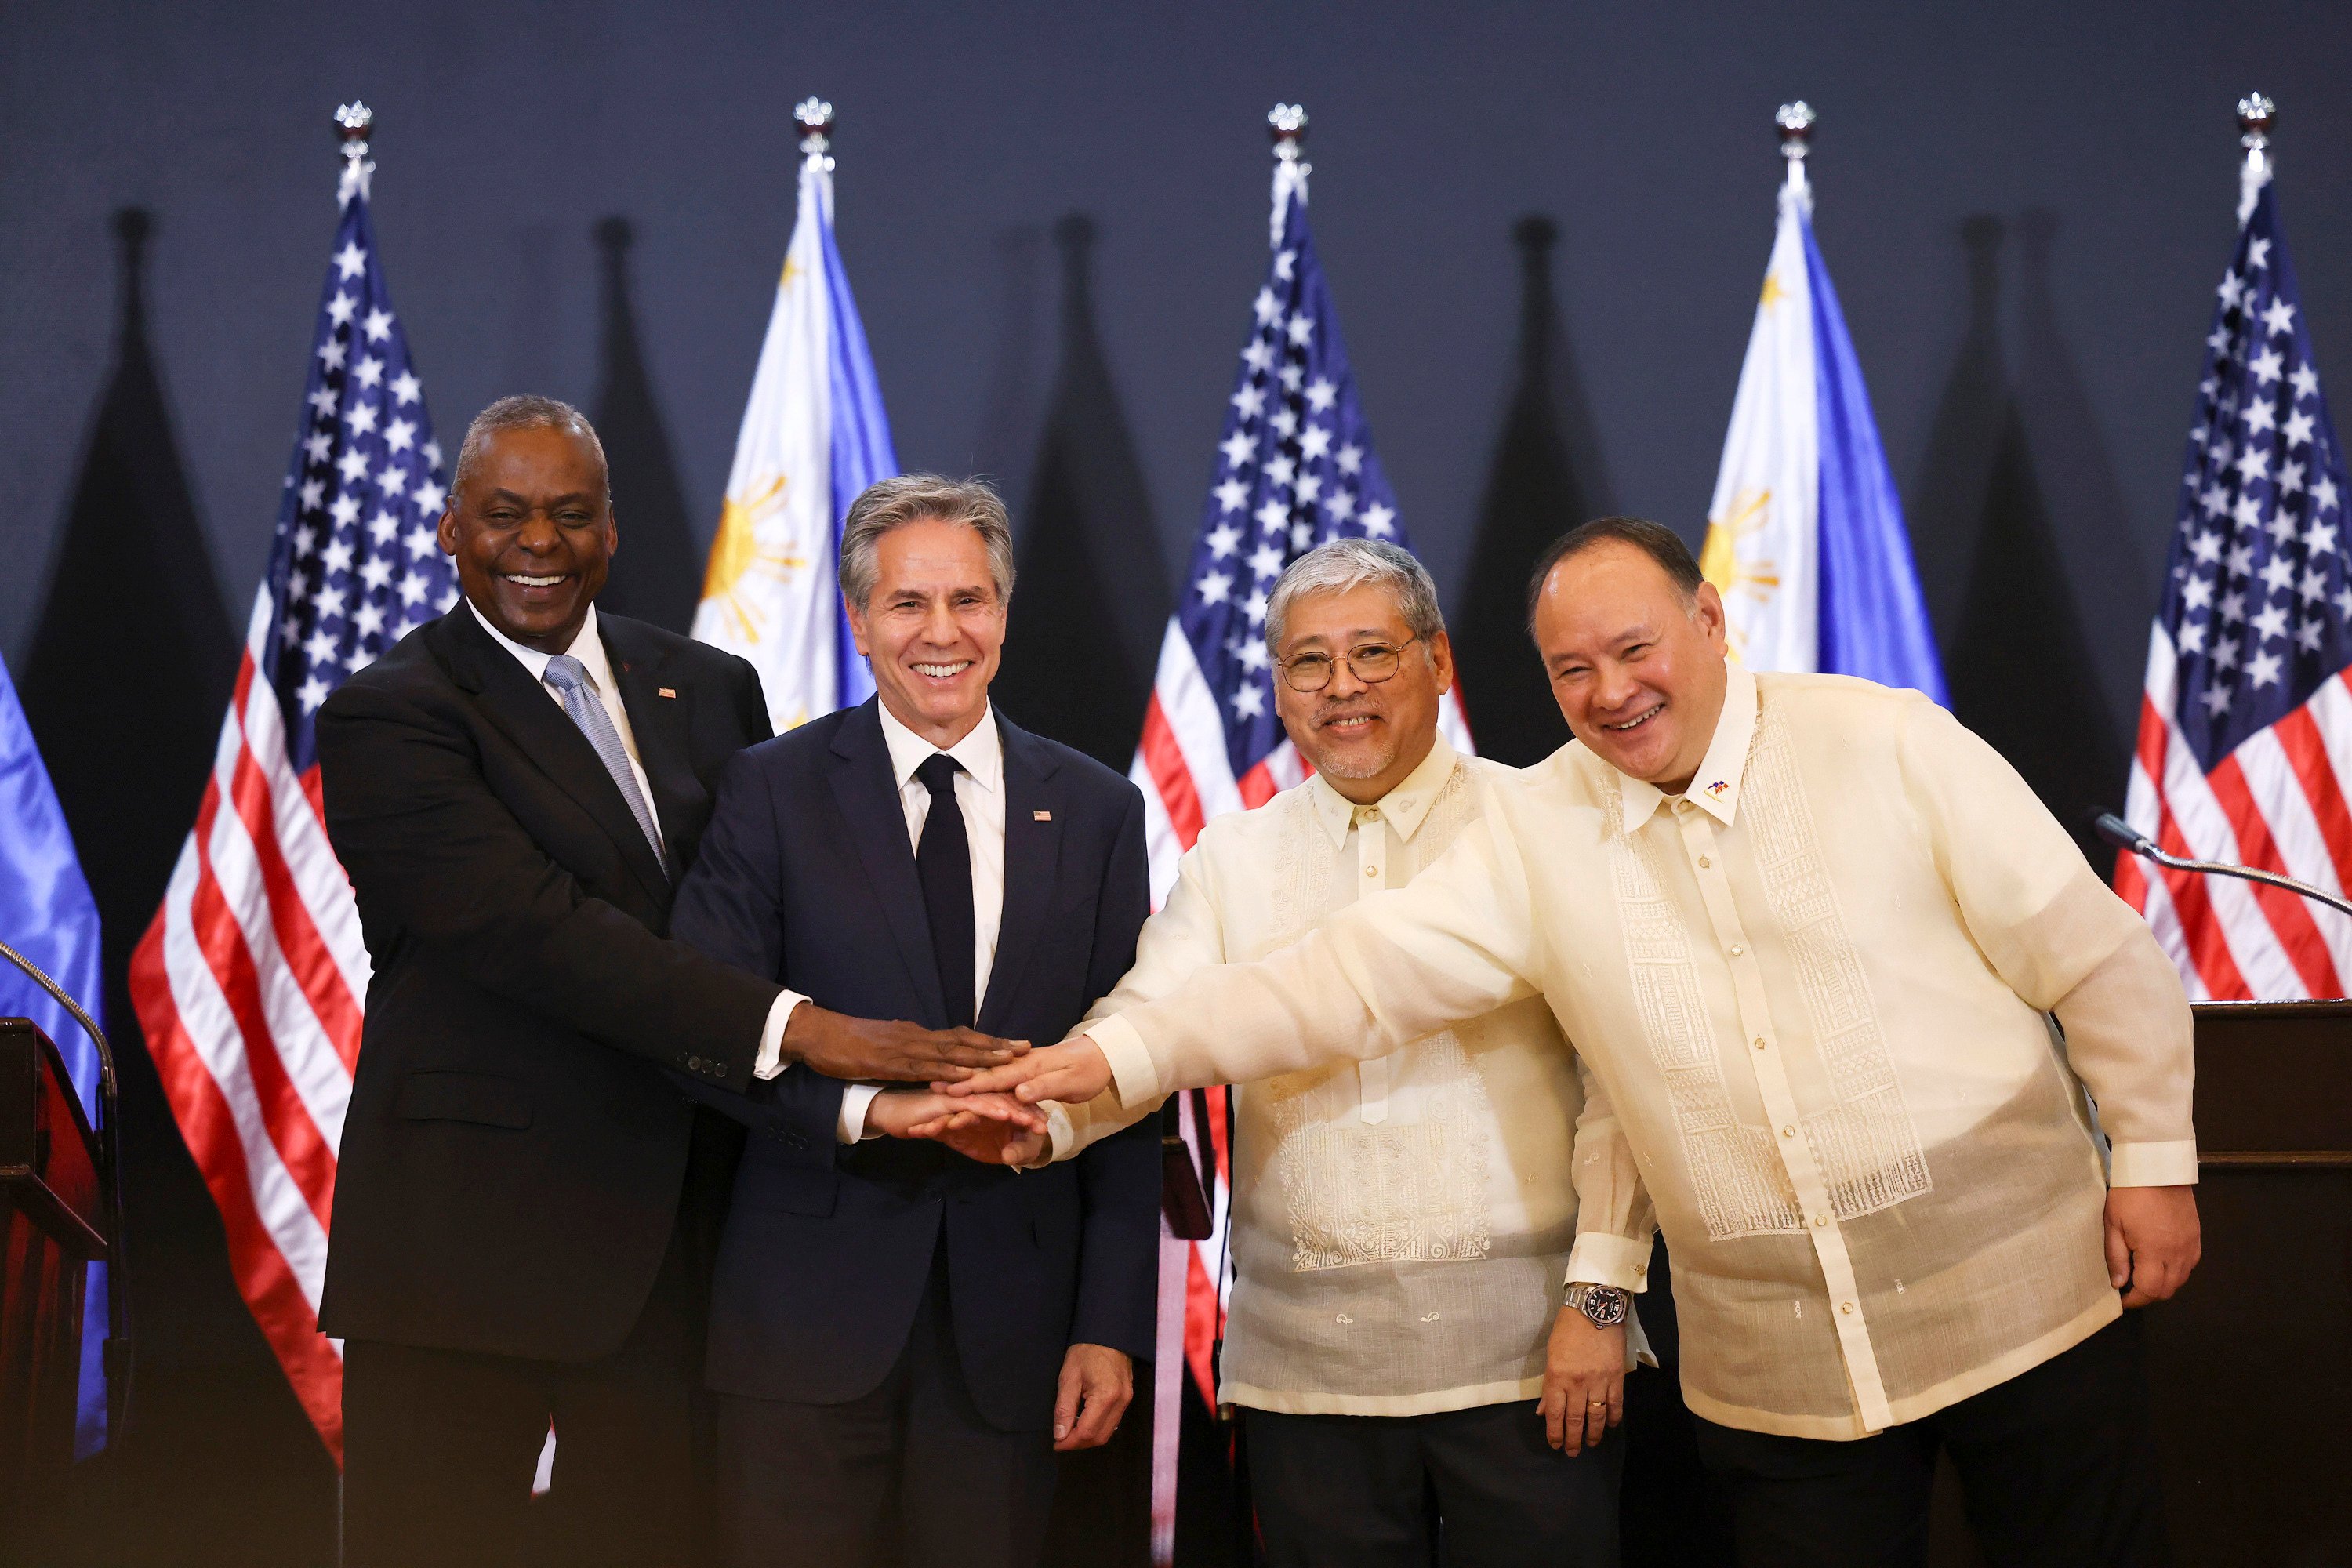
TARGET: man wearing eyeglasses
(1401,1226)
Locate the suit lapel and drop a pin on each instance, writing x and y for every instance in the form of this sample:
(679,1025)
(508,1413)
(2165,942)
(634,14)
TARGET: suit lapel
(520,709)
(662,726)
(1032,859)
(867,794)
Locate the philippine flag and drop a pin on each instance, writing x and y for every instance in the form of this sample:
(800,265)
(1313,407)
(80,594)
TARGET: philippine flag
(1805,537)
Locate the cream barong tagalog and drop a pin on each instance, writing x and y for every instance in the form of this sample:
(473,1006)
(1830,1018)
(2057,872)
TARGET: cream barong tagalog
(1812,992)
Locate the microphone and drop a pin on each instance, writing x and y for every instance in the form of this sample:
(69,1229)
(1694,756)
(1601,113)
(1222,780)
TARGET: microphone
(2132,841)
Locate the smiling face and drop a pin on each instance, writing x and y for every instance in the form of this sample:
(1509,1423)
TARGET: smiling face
(531,533)
(1363,737)
(933,628)
(1637,669)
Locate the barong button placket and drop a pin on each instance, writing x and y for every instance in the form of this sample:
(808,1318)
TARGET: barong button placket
(1812,1190)
(1371,1077)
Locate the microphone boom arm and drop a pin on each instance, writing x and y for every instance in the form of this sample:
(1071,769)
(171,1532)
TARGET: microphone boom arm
(2123,836)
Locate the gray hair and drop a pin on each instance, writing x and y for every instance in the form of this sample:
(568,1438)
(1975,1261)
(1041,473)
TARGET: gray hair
(1347,563)
(526,410)
(922,498)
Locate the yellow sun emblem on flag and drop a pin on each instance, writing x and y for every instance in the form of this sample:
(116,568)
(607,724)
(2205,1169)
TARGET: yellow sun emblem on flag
(738,560)
(1719,561)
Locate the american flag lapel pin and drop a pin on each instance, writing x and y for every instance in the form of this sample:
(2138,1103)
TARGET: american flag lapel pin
(1717,787)
(1041,816)
(665,691)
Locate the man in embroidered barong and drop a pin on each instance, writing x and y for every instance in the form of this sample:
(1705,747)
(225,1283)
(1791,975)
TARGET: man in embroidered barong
(1402,1224)
(1907,1087)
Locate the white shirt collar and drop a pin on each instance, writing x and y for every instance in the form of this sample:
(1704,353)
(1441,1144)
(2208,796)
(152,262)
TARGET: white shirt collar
(588,647)
(981,751)
(1405,807)
(1715,788)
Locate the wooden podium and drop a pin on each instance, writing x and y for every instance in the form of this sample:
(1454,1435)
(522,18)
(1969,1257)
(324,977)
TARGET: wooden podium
(2252,1363)
(54,1206)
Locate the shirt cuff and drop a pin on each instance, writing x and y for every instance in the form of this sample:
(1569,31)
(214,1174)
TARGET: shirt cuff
(1600,1258)
(1638,1351)
(771,1036)
(2170,1164)
(1134,1076)
(854,1100)
(1061,1136)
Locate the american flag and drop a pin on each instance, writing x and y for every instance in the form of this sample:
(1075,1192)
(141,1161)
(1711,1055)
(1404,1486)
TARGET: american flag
(2245,731)
(1295,469)
(250,981)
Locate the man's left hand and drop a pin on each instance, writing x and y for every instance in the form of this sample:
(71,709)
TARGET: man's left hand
(2153,1241)
(1097,1383)
(1583,1382)
(993,1129)
(996,1130)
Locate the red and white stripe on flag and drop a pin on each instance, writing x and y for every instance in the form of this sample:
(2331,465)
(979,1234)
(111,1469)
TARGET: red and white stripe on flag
(250,981)
(249,986)
(2278,802)
(2245,727)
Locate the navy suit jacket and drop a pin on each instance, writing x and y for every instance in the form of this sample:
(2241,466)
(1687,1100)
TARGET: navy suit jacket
(806,877)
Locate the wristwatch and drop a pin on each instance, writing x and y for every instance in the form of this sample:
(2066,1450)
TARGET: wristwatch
(1604,1305)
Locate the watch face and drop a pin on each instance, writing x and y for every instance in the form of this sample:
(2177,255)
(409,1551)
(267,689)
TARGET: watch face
(1604,1305)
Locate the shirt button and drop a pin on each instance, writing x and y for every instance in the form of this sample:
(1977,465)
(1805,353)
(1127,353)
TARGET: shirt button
(1787,1132)
(1736,950)
(1372,871)
(1820,1220)
(1640,1269)
(1759,1039)
(1846,1305)
(1704,862)
(1371,813)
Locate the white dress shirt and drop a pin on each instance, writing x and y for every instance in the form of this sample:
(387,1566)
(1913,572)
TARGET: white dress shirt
(588,647)
(1810,994)
(980,791)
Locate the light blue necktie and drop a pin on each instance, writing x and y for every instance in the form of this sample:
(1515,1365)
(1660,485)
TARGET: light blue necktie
(570,677)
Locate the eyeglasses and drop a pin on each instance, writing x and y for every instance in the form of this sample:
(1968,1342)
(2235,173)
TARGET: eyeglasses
(1369,662)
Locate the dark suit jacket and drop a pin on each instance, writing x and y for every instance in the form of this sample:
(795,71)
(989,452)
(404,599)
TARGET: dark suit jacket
(513,1159)
(806,874)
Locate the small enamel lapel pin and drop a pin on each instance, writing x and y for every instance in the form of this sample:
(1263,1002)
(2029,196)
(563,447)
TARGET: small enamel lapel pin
(1042,816)
(665,691)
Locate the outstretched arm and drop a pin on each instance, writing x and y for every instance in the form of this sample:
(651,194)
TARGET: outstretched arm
(1459,942)
(432,850)
(731,907)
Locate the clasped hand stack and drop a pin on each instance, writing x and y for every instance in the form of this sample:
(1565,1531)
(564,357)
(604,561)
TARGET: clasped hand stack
(979,1094)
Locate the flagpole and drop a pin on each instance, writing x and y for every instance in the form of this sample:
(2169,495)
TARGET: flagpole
(1796,123)
(815,117)
(355,123)
(1287,124)
(2256,114)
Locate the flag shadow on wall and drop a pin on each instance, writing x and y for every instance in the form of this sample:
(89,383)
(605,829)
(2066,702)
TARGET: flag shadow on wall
(129,672)
(657,571)
(1999,452)
(1546,478)
(1078,663)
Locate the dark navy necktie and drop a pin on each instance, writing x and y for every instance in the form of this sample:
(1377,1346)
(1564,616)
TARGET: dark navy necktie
(944,861)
